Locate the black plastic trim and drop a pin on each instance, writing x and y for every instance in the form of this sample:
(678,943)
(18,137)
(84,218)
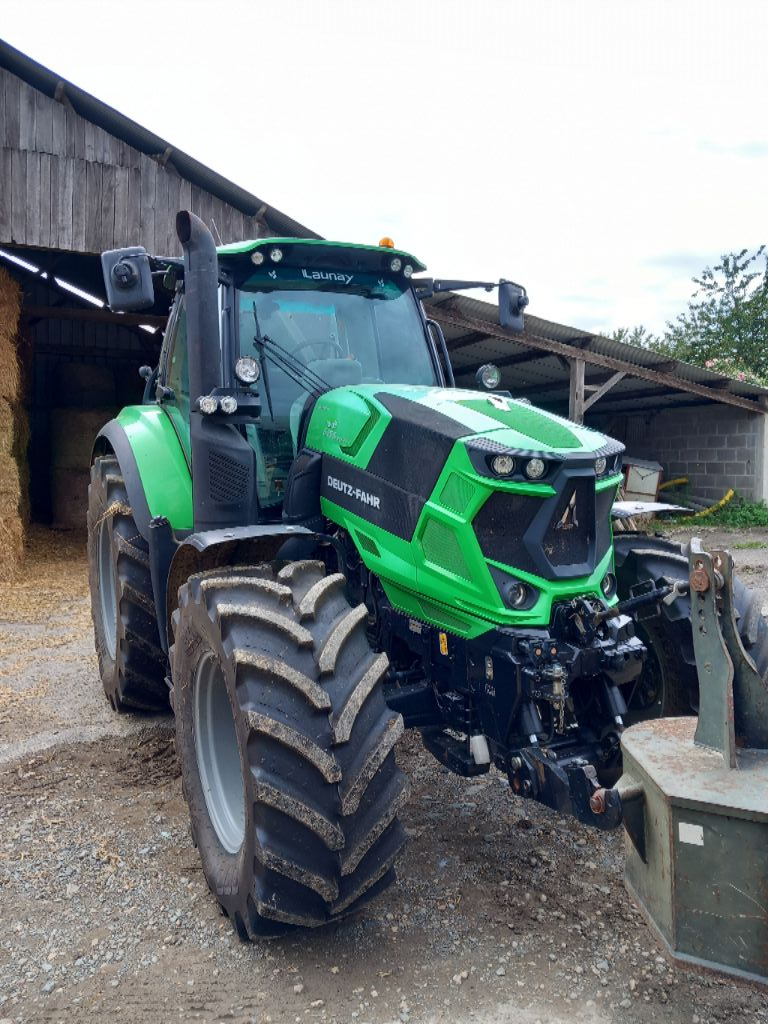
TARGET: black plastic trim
(115,435)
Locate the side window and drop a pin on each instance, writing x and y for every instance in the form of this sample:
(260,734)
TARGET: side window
(177,371)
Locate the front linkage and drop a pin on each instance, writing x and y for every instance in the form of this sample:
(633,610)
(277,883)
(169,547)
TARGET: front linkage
(545,706)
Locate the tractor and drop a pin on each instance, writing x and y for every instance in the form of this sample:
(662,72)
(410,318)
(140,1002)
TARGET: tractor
(307,539)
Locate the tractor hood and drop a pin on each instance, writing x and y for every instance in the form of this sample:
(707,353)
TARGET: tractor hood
(413,475)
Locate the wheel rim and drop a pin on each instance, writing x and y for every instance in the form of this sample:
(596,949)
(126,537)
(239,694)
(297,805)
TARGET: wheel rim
(107,589)
(218,756)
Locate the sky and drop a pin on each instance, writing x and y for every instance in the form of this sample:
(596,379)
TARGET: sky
(600,153)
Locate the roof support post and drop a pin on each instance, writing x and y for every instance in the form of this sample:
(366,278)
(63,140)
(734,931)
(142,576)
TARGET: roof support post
(576,396)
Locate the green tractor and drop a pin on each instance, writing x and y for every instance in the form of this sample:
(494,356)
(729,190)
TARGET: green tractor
(307,539)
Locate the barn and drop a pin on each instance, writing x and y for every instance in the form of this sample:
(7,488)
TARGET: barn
(77,177)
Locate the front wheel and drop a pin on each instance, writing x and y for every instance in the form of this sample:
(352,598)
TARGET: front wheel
(286,746)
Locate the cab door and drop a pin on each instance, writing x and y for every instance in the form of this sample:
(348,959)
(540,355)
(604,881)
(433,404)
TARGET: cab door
(174,375)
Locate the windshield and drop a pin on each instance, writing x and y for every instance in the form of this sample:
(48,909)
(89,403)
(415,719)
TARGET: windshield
(347,328)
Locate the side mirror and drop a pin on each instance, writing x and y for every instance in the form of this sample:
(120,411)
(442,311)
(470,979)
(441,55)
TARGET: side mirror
(513,299)
(128,279)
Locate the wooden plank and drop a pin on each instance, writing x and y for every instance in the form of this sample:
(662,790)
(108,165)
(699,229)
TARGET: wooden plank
(90,142)
(107,233)
(12,110)
(542,344)
(65,222)
(26,116)
(120,232)
(58,128)
(576,395)
(44,217)
(79,125)
(43,123)
(174,188)
(91,199)
(147,210)
(18,196)
(55,194)
(160,246)
(5,195)
(603,389)
(78,205)
(133,225)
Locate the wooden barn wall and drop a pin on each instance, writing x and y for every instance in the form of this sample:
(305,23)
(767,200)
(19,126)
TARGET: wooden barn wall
(67,184)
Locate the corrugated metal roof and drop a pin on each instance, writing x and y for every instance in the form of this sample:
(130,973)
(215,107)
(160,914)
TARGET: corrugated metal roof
(544,377)
(122,127)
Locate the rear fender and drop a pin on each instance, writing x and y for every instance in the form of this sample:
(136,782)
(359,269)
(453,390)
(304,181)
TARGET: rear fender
(153,465)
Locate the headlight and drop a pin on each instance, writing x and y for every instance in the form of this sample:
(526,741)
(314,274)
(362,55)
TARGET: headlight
(600,465)
(257,257)
(276,255)
(503,465)
(207,404)
(608,585)
(517,595)
(535,469)
(247,370)
(229,404)
(489,376)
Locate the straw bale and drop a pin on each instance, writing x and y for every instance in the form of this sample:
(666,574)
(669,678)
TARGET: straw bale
(10,486)
(10,373)
(11,545)
(10,303)
(14,430)
(10,308)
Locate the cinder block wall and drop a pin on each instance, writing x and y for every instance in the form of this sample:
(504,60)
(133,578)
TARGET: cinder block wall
(715,446)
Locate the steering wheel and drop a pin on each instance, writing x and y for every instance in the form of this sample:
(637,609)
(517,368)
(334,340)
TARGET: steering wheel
(313,344)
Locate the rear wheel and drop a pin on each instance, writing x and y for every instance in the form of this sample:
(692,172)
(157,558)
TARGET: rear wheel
(286,746)
(669,683)
(131,662)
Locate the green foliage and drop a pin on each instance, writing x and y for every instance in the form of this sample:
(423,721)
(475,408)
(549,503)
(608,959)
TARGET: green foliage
(725,328)
(726,325)
(737,514)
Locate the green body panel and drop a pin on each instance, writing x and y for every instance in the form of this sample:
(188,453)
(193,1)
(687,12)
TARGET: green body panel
(441,574)
(161,462)
(251,245)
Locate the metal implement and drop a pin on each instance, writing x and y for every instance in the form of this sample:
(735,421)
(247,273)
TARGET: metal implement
(695,797)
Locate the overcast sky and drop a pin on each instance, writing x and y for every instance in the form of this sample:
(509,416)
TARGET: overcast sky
(599,153)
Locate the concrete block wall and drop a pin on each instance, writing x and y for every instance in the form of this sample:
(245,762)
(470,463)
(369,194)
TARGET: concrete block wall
(715,446)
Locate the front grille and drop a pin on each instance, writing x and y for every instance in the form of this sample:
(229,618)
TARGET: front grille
(500,526)
(572,525)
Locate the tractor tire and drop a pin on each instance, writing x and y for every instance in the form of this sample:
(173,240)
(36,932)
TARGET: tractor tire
(132,664)
(286,746)
(669,683)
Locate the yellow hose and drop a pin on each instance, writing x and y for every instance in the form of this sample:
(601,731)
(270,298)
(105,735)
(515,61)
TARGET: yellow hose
(714,508)
(673,483)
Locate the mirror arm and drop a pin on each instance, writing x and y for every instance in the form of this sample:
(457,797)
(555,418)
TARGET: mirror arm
(433,325)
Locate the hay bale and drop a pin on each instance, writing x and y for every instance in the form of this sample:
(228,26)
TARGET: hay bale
(10,309)
(10,486)
(14,430)
(11,545)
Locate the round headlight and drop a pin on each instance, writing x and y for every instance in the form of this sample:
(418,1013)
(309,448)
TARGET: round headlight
(600,465)
(276,255)
(535,469)
(503,465)
(517,595)
(608,585)
(229,404)
(407,270)
(207,404)
(395,263)
(488,376)
(247,370)
(257,257)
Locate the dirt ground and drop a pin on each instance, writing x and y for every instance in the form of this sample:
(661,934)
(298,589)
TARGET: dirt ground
(504,911)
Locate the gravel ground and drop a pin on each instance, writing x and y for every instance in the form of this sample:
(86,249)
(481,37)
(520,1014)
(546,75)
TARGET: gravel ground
(504,911)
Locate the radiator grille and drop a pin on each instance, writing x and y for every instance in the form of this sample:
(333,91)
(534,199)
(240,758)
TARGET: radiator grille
(500,526)
(441,547)
(572,525)
(367,543)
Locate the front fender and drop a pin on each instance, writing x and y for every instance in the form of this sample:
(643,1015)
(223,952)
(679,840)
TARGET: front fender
(153,464)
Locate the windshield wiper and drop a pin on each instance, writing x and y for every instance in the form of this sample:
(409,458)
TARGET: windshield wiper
(299,372)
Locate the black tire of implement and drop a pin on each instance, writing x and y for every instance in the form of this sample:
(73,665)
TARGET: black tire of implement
(134,680)
(316,741)
(668,637)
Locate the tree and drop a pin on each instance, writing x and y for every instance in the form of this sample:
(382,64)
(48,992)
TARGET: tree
(726,324)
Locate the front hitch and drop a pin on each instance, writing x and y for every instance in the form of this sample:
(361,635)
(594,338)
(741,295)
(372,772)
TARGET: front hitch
(569,786)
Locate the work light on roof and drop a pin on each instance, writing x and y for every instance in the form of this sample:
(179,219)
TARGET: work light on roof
(257,257)
(275,255)
(407,270)
(395,263)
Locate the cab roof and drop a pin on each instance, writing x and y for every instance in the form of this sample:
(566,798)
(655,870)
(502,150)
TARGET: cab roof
(299,248)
